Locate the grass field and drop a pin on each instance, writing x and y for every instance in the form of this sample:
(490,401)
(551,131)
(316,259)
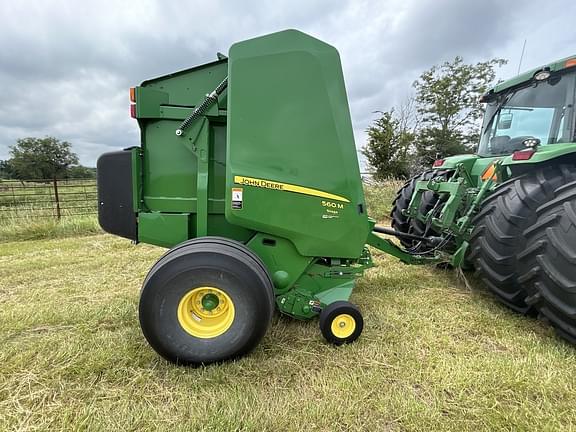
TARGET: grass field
(28,209)
(436,354)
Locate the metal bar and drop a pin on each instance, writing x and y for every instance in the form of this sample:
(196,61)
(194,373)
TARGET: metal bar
(202,182)
(58,214)
(390,248)
(431,240)
(32,209)
(49,193)
(30,204)
(52,216)
(48,181)
(46,185)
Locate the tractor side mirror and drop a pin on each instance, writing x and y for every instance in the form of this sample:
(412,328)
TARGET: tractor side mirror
(505,121)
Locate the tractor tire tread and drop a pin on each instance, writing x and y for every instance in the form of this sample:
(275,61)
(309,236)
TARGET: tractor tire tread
(499,236)
(548,264)
(406,224)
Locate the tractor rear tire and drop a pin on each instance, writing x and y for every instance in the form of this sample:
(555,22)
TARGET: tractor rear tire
(498,237)
(548,265)
(405,224)
(207,300)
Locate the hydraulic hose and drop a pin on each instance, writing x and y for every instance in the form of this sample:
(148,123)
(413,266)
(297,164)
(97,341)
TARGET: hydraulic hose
(430,240)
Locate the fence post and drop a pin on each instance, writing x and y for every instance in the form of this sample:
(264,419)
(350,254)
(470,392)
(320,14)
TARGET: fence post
(58,215)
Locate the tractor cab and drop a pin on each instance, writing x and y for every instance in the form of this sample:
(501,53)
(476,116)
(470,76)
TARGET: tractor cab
(537,112)
(529,119)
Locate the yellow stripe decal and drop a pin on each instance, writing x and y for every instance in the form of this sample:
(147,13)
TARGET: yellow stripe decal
(268,184)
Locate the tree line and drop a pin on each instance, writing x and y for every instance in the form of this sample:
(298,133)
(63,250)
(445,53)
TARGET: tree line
(442,118)
(43,159)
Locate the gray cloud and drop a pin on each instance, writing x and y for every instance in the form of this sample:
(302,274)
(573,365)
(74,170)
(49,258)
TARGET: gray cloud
(65,66)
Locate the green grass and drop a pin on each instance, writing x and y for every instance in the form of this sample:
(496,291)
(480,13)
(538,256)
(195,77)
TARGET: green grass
(27,210)
(436,354)
(380,197)
(28,226)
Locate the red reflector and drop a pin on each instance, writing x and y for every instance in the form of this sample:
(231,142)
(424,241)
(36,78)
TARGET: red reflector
(438,163)
(522,155)
(133,110)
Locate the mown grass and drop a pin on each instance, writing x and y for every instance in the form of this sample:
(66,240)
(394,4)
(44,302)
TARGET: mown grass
(379,198)
(28,226)
(434,355)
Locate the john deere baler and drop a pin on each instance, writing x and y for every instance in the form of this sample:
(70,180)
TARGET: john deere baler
(247,170)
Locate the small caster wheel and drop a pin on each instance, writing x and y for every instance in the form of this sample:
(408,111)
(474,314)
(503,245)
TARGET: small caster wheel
(341,322)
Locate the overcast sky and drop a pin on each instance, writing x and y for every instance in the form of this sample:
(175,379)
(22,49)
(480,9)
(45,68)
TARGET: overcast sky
(66,66)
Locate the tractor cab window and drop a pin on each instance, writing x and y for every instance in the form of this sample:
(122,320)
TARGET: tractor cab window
(543,110)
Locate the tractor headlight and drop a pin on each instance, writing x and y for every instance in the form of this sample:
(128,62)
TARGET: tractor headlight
(542,75)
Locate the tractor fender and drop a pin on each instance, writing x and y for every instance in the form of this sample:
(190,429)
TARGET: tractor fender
(552,152)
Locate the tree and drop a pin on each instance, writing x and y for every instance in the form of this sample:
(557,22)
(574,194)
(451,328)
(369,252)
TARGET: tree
(448,99)
(41,158)
(389,143)
(6,170)
(81,172)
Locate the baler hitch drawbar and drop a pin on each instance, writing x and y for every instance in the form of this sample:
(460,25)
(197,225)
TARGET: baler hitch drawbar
(432,240)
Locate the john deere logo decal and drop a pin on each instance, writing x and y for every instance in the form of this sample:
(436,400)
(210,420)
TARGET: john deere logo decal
(286,187)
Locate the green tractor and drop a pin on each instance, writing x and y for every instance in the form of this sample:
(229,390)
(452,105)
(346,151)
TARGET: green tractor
(509,211)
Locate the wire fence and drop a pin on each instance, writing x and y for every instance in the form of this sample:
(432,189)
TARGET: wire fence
(61,198)
(47,198)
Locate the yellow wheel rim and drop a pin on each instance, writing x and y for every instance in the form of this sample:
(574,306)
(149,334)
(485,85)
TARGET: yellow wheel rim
(206,312)
(343,326)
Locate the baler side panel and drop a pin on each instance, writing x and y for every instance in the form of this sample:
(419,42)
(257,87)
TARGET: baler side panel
(188,87)
(291,150)
(171,192)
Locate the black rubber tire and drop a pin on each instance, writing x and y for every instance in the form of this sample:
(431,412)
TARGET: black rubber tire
(498,235)
(330,312)
(401,222)
(548,265)
(207,261)
(429,199)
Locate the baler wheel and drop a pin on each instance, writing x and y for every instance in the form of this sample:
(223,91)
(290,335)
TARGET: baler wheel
(498,237)
(548,264)
(341,322)
(206,300)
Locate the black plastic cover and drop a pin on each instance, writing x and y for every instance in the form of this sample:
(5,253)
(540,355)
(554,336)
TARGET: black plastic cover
(115,212)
